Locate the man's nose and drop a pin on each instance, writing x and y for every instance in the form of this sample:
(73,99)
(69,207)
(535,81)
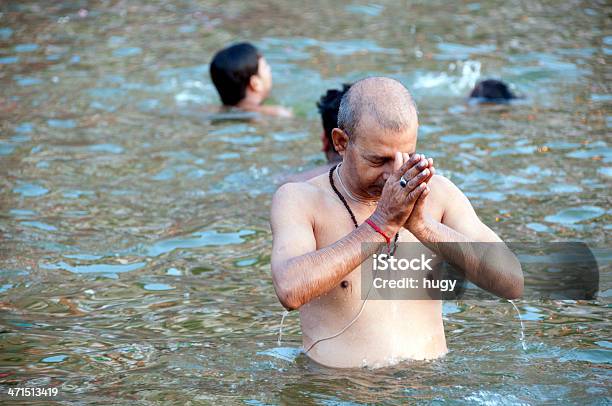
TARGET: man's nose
(388,170)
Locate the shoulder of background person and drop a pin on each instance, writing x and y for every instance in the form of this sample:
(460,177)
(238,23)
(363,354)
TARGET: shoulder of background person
(277,111)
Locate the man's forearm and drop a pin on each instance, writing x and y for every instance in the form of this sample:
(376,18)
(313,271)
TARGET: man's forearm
(489,265)
(308,276)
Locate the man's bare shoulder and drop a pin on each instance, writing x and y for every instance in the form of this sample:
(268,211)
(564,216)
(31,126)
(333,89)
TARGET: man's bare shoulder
(306,194)
(443,191)
(307,175)
(442,184)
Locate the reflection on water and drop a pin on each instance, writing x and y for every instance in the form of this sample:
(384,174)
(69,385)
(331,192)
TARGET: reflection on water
(135,237)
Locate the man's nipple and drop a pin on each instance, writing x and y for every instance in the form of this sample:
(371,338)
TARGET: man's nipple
(344,284)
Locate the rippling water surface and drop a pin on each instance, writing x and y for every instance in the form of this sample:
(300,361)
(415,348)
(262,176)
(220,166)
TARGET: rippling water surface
(135,245)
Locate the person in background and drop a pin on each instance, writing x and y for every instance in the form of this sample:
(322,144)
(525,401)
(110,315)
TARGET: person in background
(328,106)
(491,91)
(243,79)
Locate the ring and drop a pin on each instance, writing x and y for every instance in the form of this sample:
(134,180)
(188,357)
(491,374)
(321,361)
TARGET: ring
(403,182)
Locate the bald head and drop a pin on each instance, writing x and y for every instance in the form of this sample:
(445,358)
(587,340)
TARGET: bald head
(379,100)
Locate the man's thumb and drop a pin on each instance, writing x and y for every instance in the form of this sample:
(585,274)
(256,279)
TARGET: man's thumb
(398,162)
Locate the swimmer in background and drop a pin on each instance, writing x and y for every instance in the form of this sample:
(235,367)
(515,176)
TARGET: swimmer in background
(491,91)
(328,106)
(243,79)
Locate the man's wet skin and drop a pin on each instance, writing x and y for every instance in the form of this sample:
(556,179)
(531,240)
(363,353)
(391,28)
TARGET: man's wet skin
(317,249)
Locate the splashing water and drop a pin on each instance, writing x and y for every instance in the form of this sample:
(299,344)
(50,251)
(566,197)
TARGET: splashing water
(280,330)
(522,327)
(466,76)
(470,72)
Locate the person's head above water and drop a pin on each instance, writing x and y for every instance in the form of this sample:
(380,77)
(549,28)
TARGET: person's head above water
(376,119)
(492,91)
(241,75)
(328,107)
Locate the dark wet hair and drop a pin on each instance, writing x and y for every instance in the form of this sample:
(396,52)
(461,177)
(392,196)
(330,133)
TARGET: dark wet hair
(231,70)
(328,106)
(492,91)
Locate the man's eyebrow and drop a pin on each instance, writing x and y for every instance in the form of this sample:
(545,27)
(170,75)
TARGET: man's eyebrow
(374,157)
(381,157)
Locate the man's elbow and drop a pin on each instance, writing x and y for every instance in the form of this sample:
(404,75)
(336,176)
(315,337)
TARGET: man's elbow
(287,298)
(515,292)
(285,293)
(517,285)
(288,302)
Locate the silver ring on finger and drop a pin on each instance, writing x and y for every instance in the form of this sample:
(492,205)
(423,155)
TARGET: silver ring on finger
(403,182)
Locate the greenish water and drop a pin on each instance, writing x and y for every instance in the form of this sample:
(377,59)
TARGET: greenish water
(134,231)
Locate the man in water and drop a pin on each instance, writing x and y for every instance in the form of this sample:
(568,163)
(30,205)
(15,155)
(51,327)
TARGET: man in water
(243,79)
(492,91)
(382,187)
(328,107)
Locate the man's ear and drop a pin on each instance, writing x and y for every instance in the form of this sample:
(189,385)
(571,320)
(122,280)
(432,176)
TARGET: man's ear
(341,140)
(256,84)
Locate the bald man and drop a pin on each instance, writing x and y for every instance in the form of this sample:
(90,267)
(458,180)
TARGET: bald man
(383,188)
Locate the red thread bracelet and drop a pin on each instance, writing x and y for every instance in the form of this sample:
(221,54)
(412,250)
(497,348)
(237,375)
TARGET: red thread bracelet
(381,232)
